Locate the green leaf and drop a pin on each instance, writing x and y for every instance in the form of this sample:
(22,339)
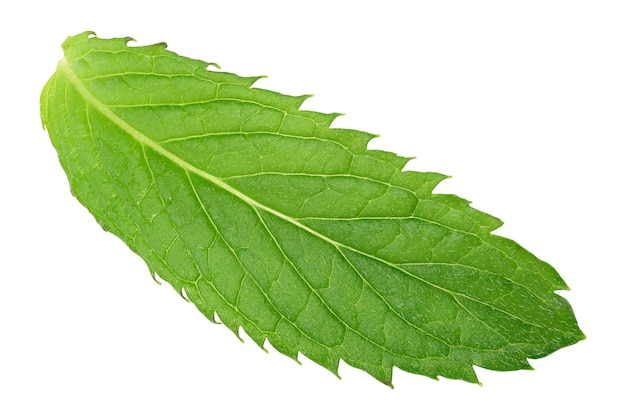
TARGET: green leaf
(294,231)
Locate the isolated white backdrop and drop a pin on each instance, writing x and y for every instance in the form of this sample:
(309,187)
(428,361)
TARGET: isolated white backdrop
(522,102)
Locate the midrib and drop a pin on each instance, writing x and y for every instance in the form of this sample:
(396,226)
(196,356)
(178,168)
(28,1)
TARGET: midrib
(66,69)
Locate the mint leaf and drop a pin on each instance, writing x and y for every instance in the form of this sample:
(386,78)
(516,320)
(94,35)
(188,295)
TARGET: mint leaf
(260,212)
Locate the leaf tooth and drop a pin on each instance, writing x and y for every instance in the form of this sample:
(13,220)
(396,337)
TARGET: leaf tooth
(423,183)
(183,294)
(151,49)
(389,157)
(325,119)
(246,81)
(257,336)
(250,80)
(284,348)
(383,374)
(231,322)
(455,368)
(81,37)
(157,46)
(334,367)
(78,45)
(332,117)
(355,140)
(212,64)
(329,360)
(210,315)
(113,43)
(300,99)
(125,40)
(506,362)
(154,276)
(320,117)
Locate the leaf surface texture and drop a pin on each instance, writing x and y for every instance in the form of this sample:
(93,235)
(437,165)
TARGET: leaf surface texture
(292,230)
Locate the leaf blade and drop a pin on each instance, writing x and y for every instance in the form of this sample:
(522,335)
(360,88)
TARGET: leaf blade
(198,172)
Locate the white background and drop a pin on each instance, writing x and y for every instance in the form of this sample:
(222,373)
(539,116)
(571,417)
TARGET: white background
(522,102)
